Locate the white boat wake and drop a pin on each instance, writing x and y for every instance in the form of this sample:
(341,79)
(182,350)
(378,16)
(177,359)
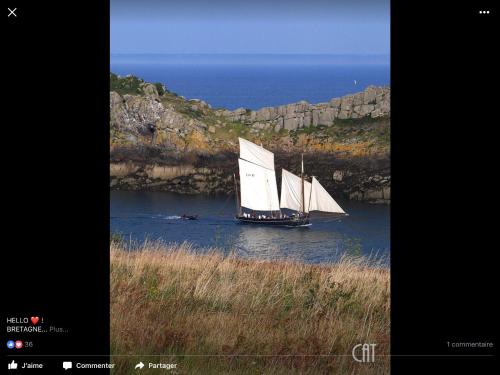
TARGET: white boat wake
(172,217)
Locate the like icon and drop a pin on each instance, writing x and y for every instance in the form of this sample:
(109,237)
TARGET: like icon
(12,365)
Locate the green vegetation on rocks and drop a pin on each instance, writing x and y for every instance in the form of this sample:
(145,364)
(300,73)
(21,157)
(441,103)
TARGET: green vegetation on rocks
(131,85)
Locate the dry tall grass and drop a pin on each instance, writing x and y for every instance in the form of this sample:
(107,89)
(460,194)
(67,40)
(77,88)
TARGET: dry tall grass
(226,315)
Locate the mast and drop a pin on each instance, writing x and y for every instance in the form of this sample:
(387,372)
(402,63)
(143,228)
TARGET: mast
(302,186)
(309,201)
(238,207)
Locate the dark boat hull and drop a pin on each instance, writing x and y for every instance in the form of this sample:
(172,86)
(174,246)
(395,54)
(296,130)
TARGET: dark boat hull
(189,217)
(288,222)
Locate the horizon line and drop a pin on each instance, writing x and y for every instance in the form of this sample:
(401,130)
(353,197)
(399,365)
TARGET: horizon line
(250,53)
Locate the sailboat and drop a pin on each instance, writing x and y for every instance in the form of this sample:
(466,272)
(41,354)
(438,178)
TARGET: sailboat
(257,199)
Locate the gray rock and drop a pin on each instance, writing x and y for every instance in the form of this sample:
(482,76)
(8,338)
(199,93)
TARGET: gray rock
(384,106)
(369,95)
(357,196)
(315,117)
(344,115)
(300,119)
(386,192)
(134,114)
(265,114)
(115,99)
(357,99)
(373,194)
(326,117)
(131,138)
(335,103)
(239,111)
(338,176)
(377,112)
(260,125)
(150,90)
(366,109)
(307,119)
(346,107)
(280,123)
(291,123)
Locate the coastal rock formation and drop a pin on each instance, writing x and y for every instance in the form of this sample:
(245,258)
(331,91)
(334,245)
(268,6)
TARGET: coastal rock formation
(185,179)
(135,113)
(161,141)
(373,102)
(364,180)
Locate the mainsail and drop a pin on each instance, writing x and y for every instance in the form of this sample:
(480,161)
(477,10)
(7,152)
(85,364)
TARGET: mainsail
(316,198)
(257,178)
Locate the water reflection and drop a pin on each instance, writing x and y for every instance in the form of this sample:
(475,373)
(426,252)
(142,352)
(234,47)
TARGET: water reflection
(274,243)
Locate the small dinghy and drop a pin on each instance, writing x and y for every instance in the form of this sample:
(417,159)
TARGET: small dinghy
(189,217)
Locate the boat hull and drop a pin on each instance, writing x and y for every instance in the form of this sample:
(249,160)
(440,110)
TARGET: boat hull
(189,217)
(286,222)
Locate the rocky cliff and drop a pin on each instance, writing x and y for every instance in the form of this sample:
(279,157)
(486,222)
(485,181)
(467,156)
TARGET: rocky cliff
(161,141)
(373,102)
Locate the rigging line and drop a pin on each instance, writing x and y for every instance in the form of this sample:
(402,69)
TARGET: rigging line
(310,194)
(269,195)
(220,212)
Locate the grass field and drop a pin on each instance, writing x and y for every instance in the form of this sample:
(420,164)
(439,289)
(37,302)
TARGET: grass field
(215,314)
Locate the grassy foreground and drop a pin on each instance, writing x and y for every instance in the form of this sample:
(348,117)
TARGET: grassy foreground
(215,314)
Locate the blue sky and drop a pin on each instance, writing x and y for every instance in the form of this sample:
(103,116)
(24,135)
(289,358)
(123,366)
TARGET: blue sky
(256,27)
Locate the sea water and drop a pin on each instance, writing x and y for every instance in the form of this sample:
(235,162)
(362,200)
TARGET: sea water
(256,81)
(157,216)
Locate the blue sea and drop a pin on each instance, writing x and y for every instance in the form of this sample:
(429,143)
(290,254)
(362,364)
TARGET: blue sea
(256,81)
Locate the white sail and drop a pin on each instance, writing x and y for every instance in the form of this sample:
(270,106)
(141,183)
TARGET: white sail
(321,200)
(291,192)
(258,187)
(255,154)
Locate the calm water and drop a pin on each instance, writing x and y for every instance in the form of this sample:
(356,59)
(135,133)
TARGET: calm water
(155,215)
(257,81)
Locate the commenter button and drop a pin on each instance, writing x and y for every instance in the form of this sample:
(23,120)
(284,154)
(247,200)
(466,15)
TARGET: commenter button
(92,366)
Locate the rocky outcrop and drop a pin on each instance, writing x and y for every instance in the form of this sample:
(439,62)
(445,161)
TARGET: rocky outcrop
(136,113)
(185,179)
(364,180)
(373,102)
(161,141)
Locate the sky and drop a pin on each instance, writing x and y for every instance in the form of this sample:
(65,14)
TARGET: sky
(336,27)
